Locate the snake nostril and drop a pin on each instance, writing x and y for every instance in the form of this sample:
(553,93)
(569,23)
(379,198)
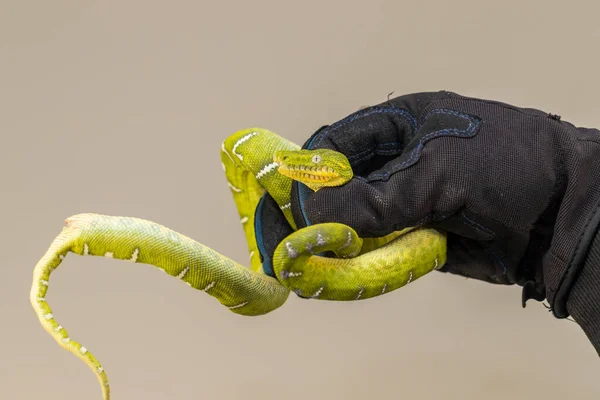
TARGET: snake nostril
(280,159)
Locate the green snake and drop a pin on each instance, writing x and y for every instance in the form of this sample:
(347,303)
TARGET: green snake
(255,160)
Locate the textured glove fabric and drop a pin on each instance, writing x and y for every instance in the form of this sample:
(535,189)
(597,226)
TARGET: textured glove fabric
(584,298)
(517,190)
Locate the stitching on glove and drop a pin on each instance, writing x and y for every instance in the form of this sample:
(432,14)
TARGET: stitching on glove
(362,114)
(367,153)
(469,222)
(497,258)
(415,154)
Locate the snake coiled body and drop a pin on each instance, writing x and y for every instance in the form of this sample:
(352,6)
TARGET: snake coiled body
(253,160)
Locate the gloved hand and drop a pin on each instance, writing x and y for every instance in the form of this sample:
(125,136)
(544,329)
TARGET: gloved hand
(517,190)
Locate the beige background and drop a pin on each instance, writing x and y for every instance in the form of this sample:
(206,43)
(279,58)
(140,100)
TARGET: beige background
(119,107)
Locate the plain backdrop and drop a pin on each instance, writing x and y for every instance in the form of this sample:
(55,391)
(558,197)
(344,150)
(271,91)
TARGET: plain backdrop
(120,107)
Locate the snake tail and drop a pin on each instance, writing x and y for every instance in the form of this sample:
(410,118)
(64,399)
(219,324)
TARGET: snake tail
(238,288)
(301,263)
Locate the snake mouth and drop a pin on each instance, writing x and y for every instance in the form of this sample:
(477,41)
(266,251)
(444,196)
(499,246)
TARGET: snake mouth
(305,173)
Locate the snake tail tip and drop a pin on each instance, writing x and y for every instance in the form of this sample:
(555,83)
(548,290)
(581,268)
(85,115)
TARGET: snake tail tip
(53,257)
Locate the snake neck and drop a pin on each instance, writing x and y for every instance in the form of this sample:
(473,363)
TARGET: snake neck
(315,168)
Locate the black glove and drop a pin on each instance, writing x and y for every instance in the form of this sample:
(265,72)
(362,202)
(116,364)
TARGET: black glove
(517,190)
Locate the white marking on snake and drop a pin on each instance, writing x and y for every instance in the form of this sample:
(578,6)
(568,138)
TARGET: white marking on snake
(234,188)
(294,274)
(436,264)
(286,206)
(292,253)
(134,256)
(45,283)
(360,293)
(238,305)
(320,239)
(244,220)
(223,166)
(66,340)
(224,150)
(100,370)
(251,254)
(108,254)
(48,316)
(208,287)
(266,169)
(182,273)
(82,350)
(348,241)
(318,292)
(61,256)
(86,249)
(41,299)
(58,329)
(409,278)
(383,289)
(242,140)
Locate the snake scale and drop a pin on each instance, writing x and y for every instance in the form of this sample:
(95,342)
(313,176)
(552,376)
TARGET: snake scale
(254,160)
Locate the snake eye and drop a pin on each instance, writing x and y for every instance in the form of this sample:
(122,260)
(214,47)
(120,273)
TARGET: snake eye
(316,159)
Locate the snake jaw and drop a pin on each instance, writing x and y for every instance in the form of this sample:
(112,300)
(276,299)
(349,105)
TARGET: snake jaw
(308,174)
(314,168)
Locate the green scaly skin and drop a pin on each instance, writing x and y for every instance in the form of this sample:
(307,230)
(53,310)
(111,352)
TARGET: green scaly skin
(255,161)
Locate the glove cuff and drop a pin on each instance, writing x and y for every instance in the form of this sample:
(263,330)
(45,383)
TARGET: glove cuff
(270,228)
(583,302)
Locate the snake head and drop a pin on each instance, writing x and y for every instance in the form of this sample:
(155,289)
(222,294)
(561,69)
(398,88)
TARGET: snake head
(315,168)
